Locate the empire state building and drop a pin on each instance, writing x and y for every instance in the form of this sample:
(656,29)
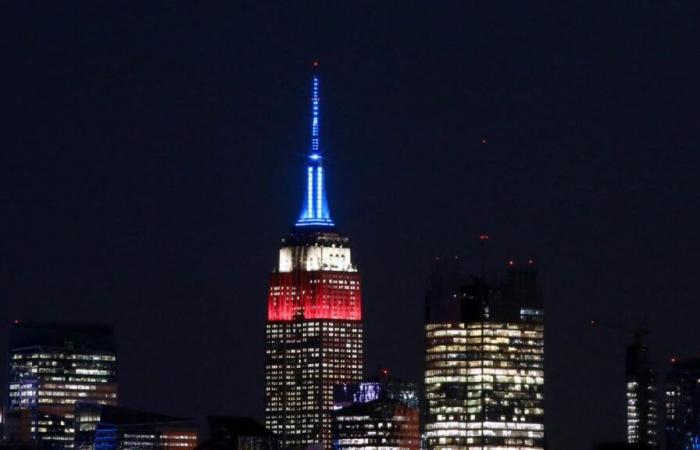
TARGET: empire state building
(313,336)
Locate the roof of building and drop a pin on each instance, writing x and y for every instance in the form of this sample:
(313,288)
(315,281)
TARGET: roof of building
(117,415)
(226,426)
(83,336)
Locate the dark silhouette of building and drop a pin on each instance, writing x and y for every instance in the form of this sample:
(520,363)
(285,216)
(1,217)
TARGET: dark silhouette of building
(314,334)
(621,446)
(378,413)
(51,367)
(381,386)
(682,401)
(107,427)
(642,411)
(484,361)
(238,433)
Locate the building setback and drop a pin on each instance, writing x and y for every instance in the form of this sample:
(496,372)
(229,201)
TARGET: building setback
(314,334)
(51,367)
(682,401)
(484,362)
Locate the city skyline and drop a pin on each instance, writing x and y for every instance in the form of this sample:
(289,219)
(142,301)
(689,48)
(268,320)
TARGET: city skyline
(152,159)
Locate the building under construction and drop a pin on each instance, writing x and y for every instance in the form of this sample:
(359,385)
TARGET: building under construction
(484,361)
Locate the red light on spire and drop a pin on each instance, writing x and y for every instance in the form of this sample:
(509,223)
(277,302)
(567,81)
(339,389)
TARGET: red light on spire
(385,371)
(530,262)
(483,140)
(511,263)
(315,64)
(484,237)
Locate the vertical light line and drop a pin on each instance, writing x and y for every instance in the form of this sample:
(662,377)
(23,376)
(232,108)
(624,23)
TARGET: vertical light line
(319,191)
(314,114)
(310,193)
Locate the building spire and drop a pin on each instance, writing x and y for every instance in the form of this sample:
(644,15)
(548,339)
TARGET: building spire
(315,211)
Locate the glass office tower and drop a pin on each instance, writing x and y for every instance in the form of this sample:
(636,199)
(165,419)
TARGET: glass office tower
(682,401)
(484,362)
(53,366)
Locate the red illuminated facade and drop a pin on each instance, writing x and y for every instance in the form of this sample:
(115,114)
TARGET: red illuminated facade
(314,295)
(314,336)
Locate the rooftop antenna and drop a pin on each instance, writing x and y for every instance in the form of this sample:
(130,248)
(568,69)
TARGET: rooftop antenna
(483,240)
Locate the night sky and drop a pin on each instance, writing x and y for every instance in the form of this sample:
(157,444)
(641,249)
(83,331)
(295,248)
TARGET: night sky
(151,159)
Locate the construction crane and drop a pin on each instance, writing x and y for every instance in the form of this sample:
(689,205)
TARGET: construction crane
(641,385)
(638,333)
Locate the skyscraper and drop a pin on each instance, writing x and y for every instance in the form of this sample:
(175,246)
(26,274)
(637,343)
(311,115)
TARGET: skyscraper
(641,391)
(314,334)
(484,363)
(682,399)
(52,367)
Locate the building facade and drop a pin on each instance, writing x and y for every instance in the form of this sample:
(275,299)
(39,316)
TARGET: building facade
(382,424)
(314,333)
(381,386)
(380,413)
(484,363)
(107,427)
(682,404)
(641,394)
(52,367)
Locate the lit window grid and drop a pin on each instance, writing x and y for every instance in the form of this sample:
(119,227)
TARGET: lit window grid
(304,361)
(51,381)
(682,405)
(484,385)
(642,415)
(377,431)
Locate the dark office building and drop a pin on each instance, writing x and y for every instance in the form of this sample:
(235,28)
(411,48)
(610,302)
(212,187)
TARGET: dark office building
(51,367)
(314,332)
(642,414)
(104,427)
(484,361)
(682,401)
(238,433)
(621,446)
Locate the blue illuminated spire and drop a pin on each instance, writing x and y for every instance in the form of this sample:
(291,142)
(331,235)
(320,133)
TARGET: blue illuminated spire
(315,207)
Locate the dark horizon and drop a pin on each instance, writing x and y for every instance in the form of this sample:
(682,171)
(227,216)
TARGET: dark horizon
(153,154)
